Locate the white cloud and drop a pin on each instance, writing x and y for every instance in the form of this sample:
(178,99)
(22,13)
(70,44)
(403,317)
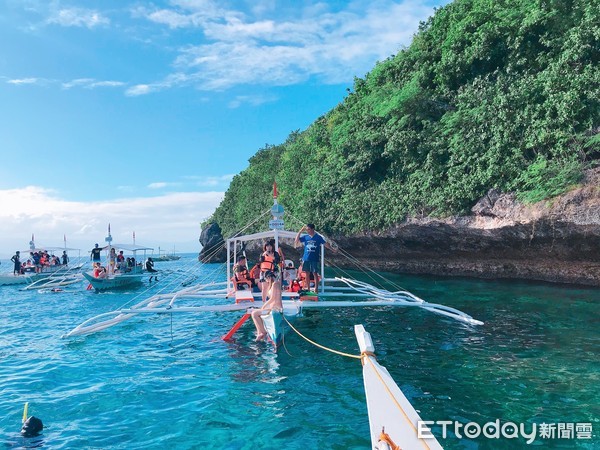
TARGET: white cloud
(210,181)
(158,185)
(78,17)
(91,83)
(161,220)
(254,100)
(24,81)
(333,46)
(140,89)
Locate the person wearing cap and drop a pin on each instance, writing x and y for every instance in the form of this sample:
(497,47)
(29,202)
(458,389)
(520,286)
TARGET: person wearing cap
(17,260)
(273,303)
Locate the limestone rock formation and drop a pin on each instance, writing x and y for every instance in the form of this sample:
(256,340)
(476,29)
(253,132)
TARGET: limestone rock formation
(557,240)
(213,245)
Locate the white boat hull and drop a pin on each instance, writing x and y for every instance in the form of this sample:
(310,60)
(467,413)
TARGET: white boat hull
(390,412)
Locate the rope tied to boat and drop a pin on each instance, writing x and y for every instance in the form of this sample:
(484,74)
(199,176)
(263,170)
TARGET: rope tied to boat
(337,352)
(365,356)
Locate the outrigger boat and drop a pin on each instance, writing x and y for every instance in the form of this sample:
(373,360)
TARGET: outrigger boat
(123,277)
(393,421)
(45,273)
(336,292)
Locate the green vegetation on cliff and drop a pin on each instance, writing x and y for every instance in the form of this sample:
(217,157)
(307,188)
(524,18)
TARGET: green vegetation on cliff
(490,94)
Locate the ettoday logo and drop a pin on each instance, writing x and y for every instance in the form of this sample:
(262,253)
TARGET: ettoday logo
(507,430)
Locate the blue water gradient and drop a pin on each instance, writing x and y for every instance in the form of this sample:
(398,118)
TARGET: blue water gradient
(169,382)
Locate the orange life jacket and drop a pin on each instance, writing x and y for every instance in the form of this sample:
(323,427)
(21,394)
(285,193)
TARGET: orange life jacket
(268,262)
(242,276)
(255,271)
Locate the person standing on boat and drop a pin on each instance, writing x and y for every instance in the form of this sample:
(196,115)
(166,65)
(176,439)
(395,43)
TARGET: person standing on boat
(16,259)
(95,255)
(274,303)
(269,262)
(150,268)
(312,253)
(112,259)
(65,258)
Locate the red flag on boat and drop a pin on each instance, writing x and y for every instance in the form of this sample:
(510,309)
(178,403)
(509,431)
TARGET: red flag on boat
(274,189)
(65,238)
(109,228)
(32,239)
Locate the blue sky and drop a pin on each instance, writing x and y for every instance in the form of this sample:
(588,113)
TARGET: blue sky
(139,113)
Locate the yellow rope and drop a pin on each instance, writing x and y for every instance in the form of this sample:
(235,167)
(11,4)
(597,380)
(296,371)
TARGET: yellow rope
(362,357)
(319,345)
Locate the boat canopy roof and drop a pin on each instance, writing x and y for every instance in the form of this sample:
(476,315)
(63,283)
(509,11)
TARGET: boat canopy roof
(128,247)
(263,235)
(49,249)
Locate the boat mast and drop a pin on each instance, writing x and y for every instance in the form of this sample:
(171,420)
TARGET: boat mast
(109,240)
(277,212)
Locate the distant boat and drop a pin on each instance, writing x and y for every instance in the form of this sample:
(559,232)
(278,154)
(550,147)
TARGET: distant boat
(119,276)
(44,271)
(162,256)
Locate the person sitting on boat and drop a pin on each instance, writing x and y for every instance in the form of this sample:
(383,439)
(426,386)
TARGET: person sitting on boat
(150,268)
(274,303)
(312,252)
(120,259)
(99,271)
(289,274)
(16,259)
(241,275)
(65,258)
(255,277)
(269,262)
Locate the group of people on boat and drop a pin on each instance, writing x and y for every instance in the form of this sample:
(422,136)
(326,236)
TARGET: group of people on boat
(273,273)
(38,260)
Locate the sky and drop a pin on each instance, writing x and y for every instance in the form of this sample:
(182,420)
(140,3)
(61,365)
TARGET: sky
(139,113)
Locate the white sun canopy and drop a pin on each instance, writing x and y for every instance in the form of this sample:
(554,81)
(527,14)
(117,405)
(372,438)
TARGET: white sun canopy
(129,247)
(263,235)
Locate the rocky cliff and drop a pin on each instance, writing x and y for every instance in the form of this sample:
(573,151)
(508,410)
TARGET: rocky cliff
(555,241)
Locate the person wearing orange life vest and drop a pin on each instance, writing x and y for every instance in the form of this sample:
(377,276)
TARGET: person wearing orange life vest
(269,262)
(241,276)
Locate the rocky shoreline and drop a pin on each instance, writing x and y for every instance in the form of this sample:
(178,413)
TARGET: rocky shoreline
(555,241)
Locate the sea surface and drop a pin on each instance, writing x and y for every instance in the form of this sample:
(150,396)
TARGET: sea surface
(170,382)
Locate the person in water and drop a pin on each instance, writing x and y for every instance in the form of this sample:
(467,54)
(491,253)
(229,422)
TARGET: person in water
(32,427)
(150,268)
(16,259)
(273,303)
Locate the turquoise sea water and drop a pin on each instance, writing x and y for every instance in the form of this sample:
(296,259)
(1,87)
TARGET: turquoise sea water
(170,382)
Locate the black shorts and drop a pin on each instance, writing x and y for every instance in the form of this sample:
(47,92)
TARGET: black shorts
(310,266)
